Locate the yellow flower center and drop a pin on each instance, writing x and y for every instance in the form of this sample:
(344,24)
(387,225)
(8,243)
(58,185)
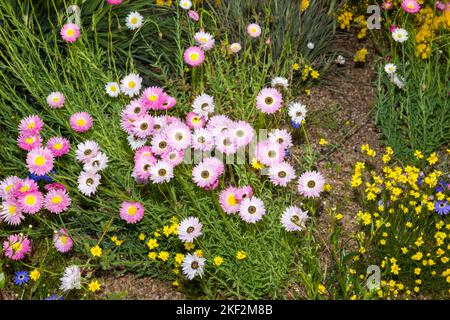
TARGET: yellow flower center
(153,98)
(196,120)
(12,210)
(194,56)
(132,210)
(57,146)
(131,84)
(63,239)
(39,161)
(113,88)
(57,199)
(231,200)
(55,99)
(70,32)
(253,30)
(30,140)
(203,39)
(81,122)
(134,20)
(17,246)
(30,200)
(410,6)
(9,187)
(31,125)
(24,188)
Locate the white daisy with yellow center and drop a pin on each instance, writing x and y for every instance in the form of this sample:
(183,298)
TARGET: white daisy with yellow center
(134,20)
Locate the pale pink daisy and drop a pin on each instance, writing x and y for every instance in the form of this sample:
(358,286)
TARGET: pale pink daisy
(25,185)
(202,140)
(16,247)
(216,163)
(174,157)
(30,202)
(195,121)
(55,100)
(282,137)
(7,186)
(269,153)
(269,100)
(86,151)
(159,144)
(194,56)
(54,186)
(242,133)
(411,6)
(310,184)
(168,103)
(70,32)
(142,168)
(189,229)
(131,212)
(226,143)
(192,265)
(205,40)
(57,201)
(294,219)
(281,174)
(31,124)
(81,121)
(114,2)
(58,146)
(131,84)
(29,141)
(244,192)
(229,201)
(178,136)
(88,182)
(254,30)
(62,241)
(143,126)
(160,122)
(11,213)
(235,47)
(161,171)
(203,105)
(40,161)
(204,175)
(144,152)
(252,210)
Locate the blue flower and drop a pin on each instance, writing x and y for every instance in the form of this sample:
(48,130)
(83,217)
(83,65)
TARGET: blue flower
(441,186)
(420,179)
(54,297)
(287,153)
(295,125)
(21,277)
(442,207)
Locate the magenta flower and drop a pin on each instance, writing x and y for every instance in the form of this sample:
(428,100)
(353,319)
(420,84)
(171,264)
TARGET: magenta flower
(70,32)
(194,56)
(16,247)
(131,212)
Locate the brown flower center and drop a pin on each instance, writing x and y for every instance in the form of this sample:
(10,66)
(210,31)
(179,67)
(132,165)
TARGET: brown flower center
(282,174)
(205,174)
(252,209)
(268,100)
(311,184)
(162,172)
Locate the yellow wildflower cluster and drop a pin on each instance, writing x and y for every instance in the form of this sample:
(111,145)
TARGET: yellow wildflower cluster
(344,19)
(308,71)
(362,25)
(370,152)
(429,23)
(404,223)
(304,4)
(162,3)
(360,55)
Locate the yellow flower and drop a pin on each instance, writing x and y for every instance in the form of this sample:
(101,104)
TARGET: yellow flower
(418,154)
(308,92)
(218,261)
(179,257)
(444,259)
(417,271)
(323,142)
(304,4)
(189,246)
(241,255)
(256,164)
(175,283)
(96,251)
(404,250)
(432,159)
(94,286)
(395,269)
(167,231)
(339,216)
(199,253)
(163,255)
(35,275)
(315,74)
(141,237)
(152,255)
(152,244)
(321,289)
(296,67)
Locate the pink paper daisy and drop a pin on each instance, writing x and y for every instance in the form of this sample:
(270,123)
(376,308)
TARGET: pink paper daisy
(410,6)
(86,151)
(229,200)
(195,121)
(194,56)
(189,229)
(30,202)
(31,124)
(70,32)
(144,152)
(281,174)
(174,157)
(131,212)
(159,144)
(29,141)
(242,133)
(40,161)
(58,146)
(55,100)
(294,219)
(269,100)
(226,143)
(54,186)
(216,163)
(269,153)
(204,175)
(81,121)
(168,103)
(11,213)
(114,2)
(7,186)
(24,185)
(310,184)
(178,136)
(57,201)
(252,210)
(153,97)
(202,140)
(143,126)
(282,137)
(193,15)
(244,192)
(62,241)
(16,247)
(235,47)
